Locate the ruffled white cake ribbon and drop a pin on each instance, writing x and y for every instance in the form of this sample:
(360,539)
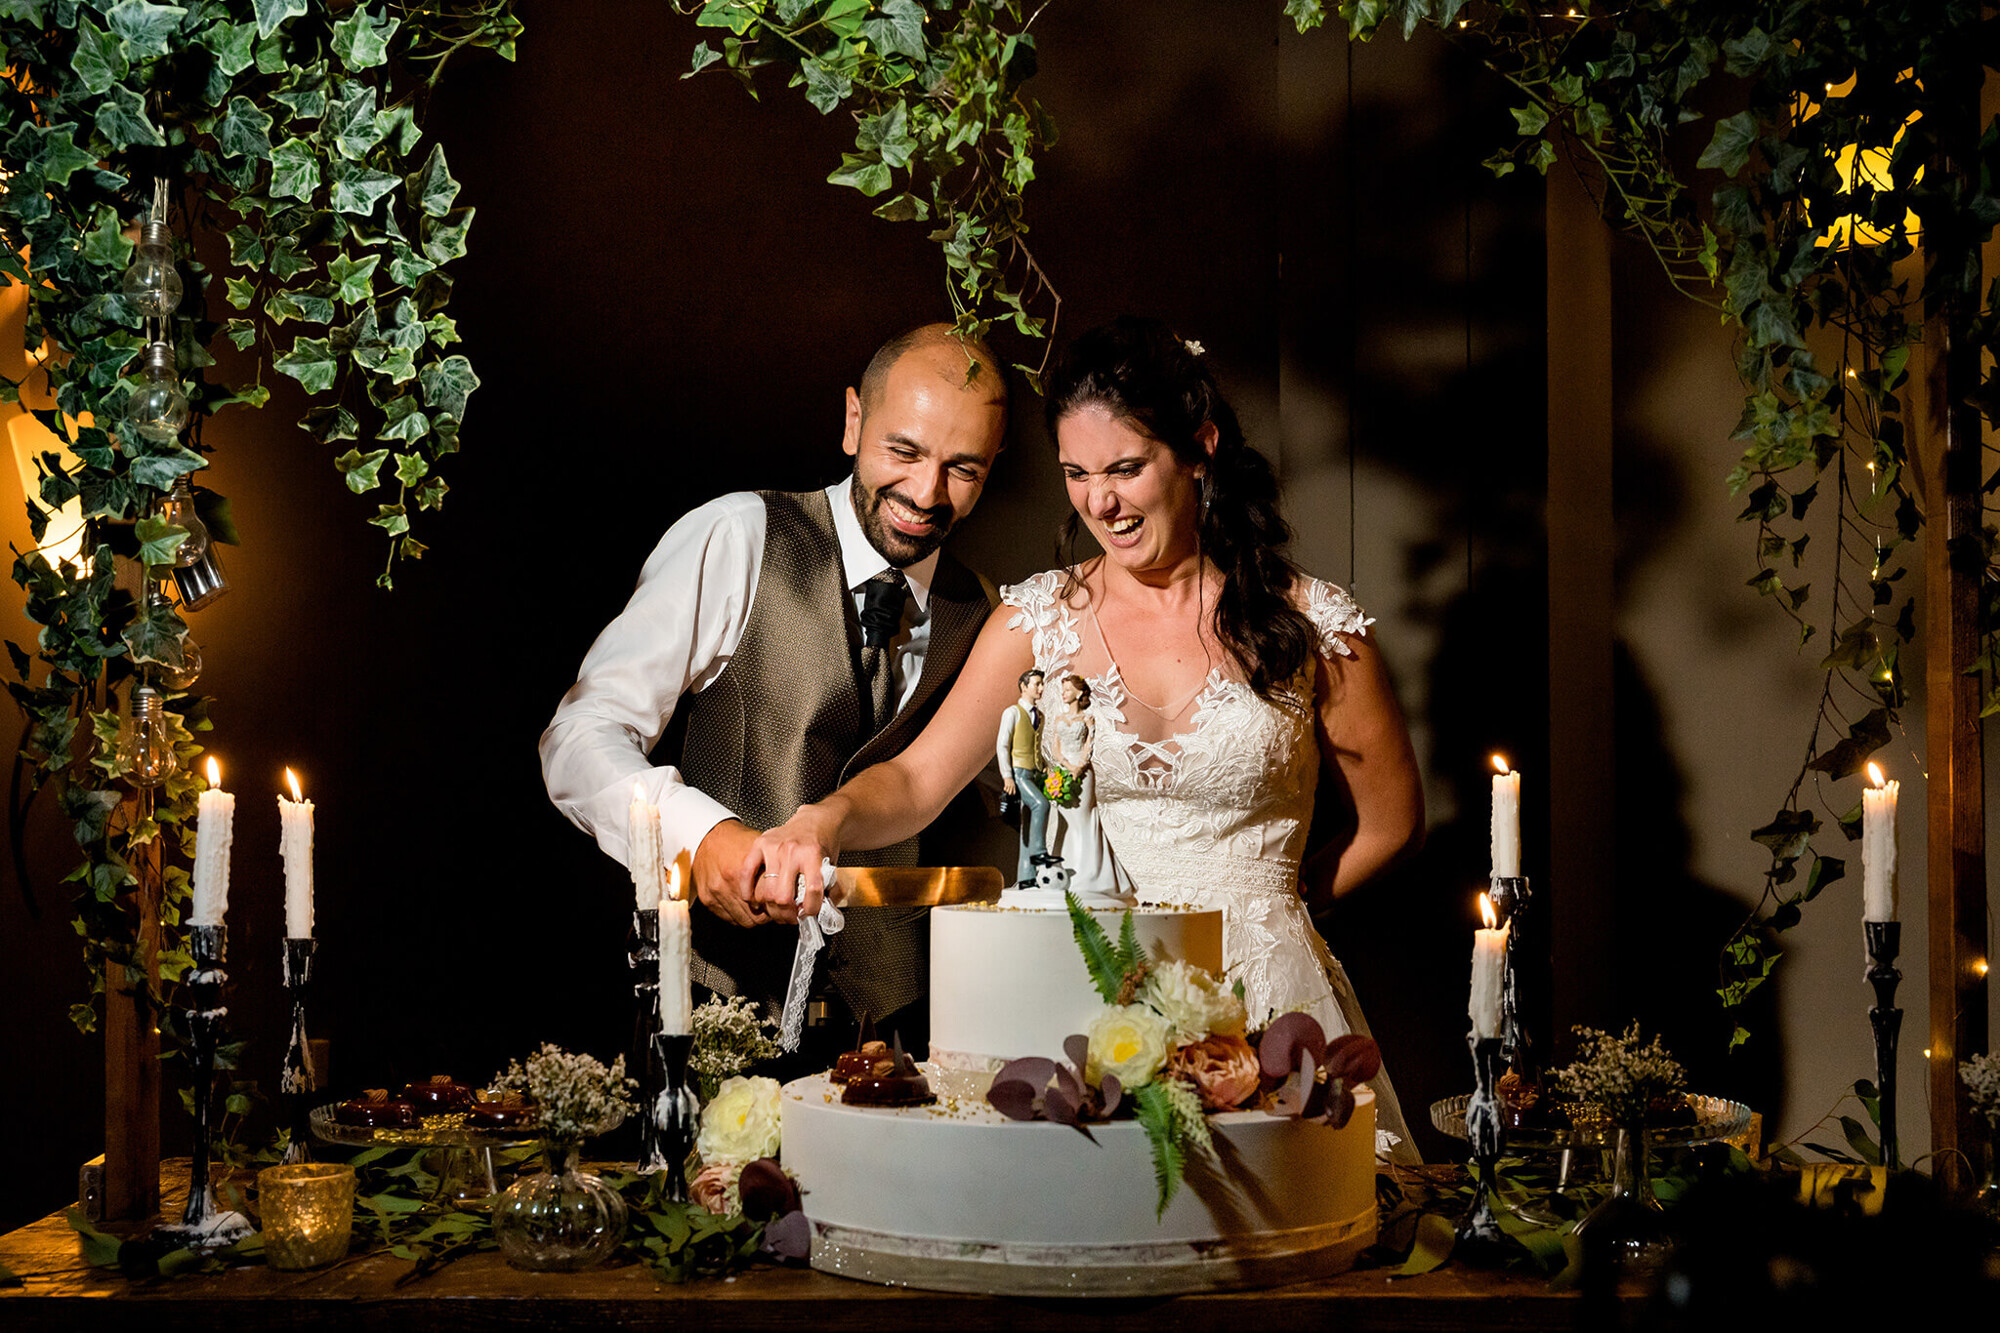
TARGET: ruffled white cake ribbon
(813,931)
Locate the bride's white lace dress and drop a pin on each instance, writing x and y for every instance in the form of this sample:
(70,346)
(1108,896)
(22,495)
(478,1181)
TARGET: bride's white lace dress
(1216,815)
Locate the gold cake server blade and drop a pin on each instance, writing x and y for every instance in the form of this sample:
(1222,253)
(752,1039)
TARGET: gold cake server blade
(915,886)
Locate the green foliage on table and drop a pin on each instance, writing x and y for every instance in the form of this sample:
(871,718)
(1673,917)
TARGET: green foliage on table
(288,132)
(944,134)
(1808,249)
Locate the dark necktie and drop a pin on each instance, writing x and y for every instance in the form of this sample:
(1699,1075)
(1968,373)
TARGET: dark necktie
(882,599)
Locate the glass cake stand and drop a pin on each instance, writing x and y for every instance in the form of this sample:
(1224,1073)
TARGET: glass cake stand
(1714,1119)
(467,1175)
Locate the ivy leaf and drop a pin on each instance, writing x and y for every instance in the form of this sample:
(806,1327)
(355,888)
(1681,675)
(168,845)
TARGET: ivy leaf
(1864,738)
(362,42)
(121,118)
(231,44)
(353,279)
(146,27)
(826,87)
(447,384)
(1729,150)
(402,420)
(431,187)
(1530,119)
(360,469)
(100,57)
(411,468)
(159,468)
(444,239)
(391,519)
(704,56)
(866,175)
(1788,834)
(158,540)
(327,424)
(312,362)
(105,244)
(271,13)
(899,31)
(244,131)
(57,157)
(294,170)
(353,121)
(356,188)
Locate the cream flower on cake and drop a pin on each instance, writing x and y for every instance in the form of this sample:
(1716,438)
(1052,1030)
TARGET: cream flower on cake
(1129,1041)
(741,1124)
(1194,1003)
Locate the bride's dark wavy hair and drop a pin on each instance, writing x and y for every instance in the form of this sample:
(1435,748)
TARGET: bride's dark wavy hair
(1145,376)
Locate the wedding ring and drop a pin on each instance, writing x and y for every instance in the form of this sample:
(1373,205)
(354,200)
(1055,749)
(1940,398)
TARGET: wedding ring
(769,874)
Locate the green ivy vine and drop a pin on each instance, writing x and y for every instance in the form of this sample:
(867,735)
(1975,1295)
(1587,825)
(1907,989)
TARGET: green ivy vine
(1828,177)
(288,134)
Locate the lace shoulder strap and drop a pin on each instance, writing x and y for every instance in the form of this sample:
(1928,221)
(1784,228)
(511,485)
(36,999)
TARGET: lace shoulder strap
(1335,614)
(1040,612)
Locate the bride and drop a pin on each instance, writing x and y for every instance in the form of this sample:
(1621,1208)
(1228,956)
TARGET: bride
(1223,683)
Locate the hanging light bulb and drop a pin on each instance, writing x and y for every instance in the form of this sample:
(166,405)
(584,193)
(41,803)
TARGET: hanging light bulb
(144,752)
(152,284)
(177,507)
(157,408)
(182,677)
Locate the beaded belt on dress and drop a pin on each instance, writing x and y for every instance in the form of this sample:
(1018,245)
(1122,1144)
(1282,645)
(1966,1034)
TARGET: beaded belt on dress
(1162,873)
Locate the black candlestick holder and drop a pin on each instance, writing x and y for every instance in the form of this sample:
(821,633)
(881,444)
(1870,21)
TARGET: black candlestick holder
(645,960)
(204,1225)
(1481,1225)
(1511,895)
(675,1115)
(297,1080)
(1885,941)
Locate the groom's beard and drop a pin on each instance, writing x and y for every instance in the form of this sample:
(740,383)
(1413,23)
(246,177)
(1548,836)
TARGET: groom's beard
(898,548)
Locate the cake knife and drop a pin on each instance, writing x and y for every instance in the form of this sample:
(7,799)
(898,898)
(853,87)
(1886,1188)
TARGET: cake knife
(873,886)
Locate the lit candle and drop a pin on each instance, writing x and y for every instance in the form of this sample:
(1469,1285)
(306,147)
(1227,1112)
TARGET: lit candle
(1878,848)
(642,849)
(1489,973)
(215,829)
(295,845)
(1506,820)
(676,995)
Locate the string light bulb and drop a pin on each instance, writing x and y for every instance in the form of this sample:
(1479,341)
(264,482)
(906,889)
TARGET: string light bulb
(177,508)
(157,407)
(152,284)
(144,750)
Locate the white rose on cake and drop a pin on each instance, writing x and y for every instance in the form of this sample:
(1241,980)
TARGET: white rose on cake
(741,1124)
(1194,1003)
(1129,1041)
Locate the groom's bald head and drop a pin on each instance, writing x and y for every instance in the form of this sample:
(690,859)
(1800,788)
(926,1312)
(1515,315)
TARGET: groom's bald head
(971,363)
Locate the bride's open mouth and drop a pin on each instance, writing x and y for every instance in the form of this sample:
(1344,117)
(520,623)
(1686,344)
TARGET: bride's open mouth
(1124,531)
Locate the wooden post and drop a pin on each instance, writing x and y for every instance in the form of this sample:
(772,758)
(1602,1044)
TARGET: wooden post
(132,1057)
(1581,554)
(1955,791)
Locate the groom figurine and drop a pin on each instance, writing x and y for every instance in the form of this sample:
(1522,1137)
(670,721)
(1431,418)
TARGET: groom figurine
(1018,751)
(802,637)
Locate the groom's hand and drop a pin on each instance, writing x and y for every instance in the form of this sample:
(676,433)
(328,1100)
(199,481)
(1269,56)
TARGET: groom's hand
(715,865)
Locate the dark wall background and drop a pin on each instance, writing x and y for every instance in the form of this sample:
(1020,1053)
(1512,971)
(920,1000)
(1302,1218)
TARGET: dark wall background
(665,302)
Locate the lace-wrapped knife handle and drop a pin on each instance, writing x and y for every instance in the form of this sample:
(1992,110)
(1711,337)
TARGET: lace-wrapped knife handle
(813,931)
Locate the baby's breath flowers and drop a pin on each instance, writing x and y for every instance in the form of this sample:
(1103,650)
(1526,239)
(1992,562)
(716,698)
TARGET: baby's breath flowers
(729,1037)
(1981,1076)
(1632,1083)
(575,1095)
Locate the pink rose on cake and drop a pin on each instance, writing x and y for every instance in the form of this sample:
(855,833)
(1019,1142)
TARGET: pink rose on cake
(1193,1001)
(741,1124)
(1128,1041)
(714,1188)
(1223,1069)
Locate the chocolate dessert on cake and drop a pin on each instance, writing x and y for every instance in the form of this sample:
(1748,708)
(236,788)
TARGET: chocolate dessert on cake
(856,1064)
(500,1110)
(373,1110)
(891,1079)
(439,1095)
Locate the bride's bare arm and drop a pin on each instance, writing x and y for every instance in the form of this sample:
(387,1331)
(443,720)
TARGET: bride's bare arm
(900,796)
(1365,745)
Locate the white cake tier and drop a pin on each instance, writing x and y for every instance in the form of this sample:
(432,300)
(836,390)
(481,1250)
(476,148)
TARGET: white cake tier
(1009,981)
(956,1197)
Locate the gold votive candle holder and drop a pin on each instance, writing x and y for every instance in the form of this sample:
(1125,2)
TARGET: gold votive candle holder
(308,1210)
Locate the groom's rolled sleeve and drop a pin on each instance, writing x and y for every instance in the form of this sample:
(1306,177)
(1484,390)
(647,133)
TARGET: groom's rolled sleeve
(676,634)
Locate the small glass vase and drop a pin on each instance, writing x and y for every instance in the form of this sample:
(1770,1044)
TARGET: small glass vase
(1628,1229)
(559,1219)
(1986,1197)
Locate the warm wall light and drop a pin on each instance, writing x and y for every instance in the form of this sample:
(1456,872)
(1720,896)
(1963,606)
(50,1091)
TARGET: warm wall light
(30,439)
(1867,166)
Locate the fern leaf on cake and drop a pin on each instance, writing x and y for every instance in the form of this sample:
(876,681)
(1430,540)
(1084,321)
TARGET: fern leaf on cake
(1157,1115)
(1107,969)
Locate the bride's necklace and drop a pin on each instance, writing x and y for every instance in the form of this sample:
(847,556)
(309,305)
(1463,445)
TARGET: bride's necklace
(1163,712)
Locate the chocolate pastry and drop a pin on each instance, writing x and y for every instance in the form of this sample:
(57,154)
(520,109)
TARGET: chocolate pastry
(856,1064)
(891,1079)
(438,1096)
(373,1110)
(505,1110)
(1522,1103)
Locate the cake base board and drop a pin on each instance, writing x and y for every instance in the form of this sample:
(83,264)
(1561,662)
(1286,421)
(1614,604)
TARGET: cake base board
(1089,1271)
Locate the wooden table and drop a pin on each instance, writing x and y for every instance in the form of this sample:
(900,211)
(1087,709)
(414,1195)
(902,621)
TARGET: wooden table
(61,1292)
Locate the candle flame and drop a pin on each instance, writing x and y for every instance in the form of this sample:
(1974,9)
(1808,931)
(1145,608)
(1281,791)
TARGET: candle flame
(1487,913)
(1875,774)
(292,780)
(214,772)
(674,880)
(1500,764)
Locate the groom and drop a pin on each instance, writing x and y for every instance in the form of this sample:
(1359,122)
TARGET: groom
(802,637)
